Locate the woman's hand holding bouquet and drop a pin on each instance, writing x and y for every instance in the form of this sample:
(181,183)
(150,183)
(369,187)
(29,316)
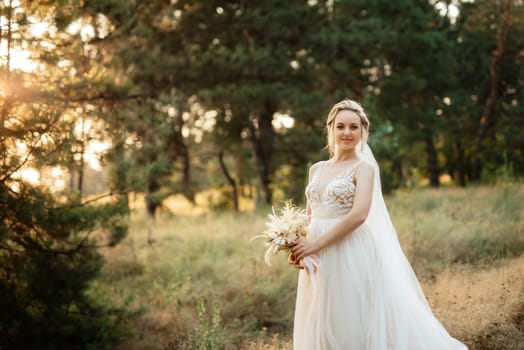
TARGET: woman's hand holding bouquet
(282,233)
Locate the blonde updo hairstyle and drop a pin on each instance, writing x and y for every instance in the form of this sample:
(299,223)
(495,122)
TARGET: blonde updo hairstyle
(349,105)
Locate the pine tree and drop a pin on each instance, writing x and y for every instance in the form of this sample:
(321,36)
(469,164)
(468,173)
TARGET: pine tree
(414,77)
(246,59)
(48,238)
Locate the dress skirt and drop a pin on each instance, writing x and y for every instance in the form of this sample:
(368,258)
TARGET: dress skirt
(356,301)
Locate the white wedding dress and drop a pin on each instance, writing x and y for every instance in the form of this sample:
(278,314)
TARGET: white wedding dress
(364,295)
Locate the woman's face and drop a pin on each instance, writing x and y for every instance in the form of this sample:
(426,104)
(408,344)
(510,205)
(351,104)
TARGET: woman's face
(347,130)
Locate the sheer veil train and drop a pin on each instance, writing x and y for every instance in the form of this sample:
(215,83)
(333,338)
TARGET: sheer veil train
(400,305)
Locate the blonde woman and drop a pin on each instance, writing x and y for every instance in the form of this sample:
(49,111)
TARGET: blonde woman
(364,294)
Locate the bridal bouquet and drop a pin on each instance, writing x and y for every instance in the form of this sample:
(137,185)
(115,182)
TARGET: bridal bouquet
(285,229)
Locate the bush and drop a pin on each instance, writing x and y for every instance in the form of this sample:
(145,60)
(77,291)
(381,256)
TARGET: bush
(47,260)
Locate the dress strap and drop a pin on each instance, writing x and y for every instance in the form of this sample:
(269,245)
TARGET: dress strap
(319,168)
(353,167)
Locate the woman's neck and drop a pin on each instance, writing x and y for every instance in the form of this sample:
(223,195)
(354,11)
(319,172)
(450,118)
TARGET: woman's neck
(346,156)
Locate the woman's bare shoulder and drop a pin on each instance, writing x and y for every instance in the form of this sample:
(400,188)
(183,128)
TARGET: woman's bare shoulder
(314,166)
(364,169)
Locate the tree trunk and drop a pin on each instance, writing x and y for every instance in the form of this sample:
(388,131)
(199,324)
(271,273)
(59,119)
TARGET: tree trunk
(229,178)
(432,159)
(152,204)
(72,178)
(262,136)
(7,73)
(461,170)
(180,149)
(152,186)
(119,184)
(82,161)
(80,183)
(487,111)
(396,170)
(9,38)
(188,190)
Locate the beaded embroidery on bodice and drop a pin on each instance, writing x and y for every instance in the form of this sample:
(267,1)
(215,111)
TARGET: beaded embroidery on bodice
(336,199)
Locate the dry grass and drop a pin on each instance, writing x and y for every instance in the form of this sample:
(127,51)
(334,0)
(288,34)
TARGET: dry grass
(484,308)
(201,283)
(469,301)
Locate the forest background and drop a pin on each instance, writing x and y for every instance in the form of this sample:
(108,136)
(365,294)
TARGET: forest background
(111,111)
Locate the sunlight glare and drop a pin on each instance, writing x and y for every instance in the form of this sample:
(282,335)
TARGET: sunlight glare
(39,28)
(283,121)
(14,3)
(55,178)
(449,10)
(209,120)
(83,28)
(30,175)
(20,59)
(95,149)
(21,148)
(93,161)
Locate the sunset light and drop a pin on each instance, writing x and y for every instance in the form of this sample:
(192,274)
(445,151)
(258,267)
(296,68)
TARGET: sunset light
(95,150)
(142,144)
(30,175)
(283,121)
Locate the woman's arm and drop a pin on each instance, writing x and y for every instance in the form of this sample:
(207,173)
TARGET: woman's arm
(291,258)
(364,175)
(312,170)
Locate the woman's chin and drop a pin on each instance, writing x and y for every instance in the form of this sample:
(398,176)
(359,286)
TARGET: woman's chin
(347,146)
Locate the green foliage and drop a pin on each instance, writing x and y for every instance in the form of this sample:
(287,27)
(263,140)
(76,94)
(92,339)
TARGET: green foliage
(251,71)
(152,69)
(423,76)
(209,333)
(220,199)
(47,260)
(49,238)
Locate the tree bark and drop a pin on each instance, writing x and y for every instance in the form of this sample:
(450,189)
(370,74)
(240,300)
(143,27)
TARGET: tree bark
(432,162)
(396,170)
(152,205)
(178,148)
(261,135)
(183,152)
(81,161)
(487,110)
(152,186)
(9,38)
(229,178)
(461,169)
(7,73)
(120,181)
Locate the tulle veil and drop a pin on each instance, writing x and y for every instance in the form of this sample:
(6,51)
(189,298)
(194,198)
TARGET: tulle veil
(385,234)
(400,304)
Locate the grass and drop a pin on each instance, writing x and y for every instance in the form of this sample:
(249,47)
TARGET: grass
(474,226)
(202,285)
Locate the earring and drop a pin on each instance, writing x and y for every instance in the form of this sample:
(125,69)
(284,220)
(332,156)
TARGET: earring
(363,142)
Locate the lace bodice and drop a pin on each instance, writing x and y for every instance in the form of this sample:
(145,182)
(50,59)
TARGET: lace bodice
(336,199)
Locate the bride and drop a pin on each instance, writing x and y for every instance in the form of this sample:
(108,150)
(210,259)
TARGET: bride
(363,295)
